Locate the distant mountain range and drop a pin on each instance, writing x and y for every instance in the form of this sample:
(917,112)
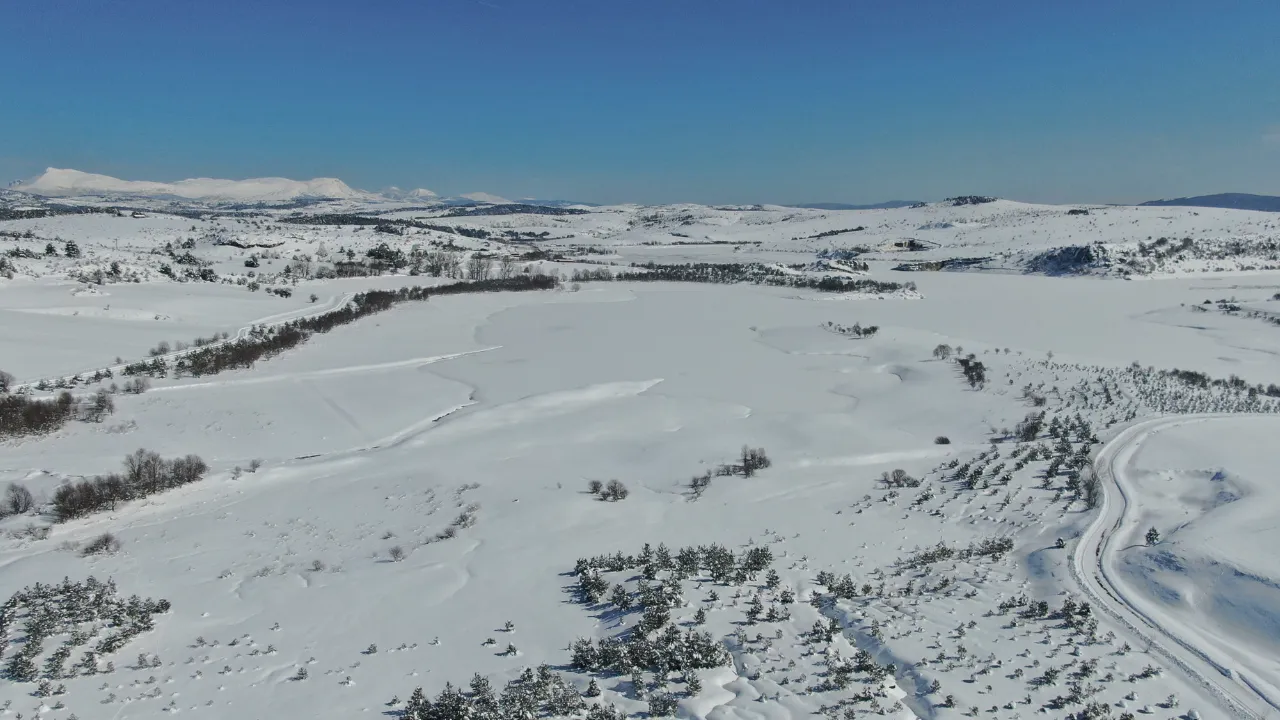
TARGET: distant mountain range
(1234,201)
(58,182)
(846,206)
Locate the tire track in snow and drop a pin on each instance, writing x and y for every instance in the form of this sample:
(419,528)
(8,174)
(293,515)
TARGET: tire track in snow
(328,372)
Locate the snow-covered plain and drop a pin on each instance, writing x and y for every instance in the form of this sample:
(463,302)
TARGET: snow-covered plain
(491,413)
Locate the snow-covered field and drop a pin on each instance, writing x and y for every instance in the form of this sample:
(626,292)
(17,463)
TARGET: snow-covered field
(382,499)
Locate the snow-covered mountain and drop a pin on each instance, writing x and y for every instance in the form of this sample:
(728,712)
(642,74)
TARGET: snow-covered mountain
(484,197)
(57,182)
(423,194)
(66,183)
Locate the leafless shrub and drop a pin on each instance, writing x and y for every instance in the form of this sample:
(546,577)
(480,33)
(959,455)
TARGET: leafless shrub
(17,500)
(104,544)
(899,479)
(615,491)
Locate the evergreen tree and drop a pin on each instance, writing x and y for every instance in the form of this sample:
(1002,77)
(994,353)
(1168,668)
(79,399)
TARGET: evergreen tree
(450,704)
(620,597)
(418,707)
(771,579)
(484,703)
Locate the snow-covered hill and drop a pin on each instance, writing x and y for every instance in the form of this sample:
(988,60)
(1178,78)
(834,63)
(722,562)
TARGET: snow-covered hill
(55,182)
(405,497)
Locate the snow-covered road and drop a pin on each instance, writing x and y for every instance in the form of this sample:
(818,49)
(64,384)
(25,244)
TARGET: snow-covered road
(1093,566)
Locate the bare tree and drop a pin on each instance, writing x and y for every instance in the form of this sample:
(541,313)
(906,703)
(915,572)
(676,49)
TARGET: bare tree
(17,500)
(615,491)
(942,352)
(506,267)
(6,381)
(479,267)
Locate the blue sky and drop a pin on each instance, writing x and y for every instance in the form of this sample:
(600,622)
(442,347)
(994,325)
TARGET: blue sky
(656,100)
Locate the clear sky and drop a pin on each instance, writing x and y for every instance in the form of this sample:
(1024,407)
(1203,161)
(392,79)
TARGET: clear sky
(656,100)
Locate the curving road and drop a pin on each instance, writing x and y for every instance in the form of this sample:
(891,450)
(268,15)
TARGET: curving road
(1093,568)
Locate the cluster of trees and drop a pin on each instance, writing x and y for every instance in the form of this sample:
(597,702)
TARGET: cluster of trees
(664,650)
(718,563)
(1149,257)
(1028,429)
(21,414)
(1187,391)
(975,373)
(612,491)
(994,548)
(899,479)
(751,461)
(540,694)
(515,209)
(1069,455)
(755,273)
(1202,380)
(365,220)
(960,200)
(145,473)
(856,330)
(68,607)
(833,233)
(69,248)
(264,343)
(654,643)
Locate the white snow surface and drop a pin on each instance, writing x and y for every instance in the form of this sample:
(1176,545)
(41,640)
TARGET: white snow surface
(1210,488)
(380,433)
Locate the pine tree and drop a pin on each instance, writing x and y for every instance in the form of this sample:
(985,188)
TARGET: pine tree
(483,702)
(418,707)
(1153,536)
(620,597)
(450,705)
(593,689)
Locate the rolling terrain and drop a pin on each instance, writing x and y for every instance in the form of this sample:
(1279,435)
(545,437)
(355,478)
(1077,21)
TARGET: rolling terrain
(563,460)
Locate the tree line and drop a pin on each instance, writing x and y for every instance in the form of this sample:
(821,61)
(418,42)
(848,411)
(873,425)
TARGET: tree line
(263,343)
(22,414)
(145,473)
(755,273)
